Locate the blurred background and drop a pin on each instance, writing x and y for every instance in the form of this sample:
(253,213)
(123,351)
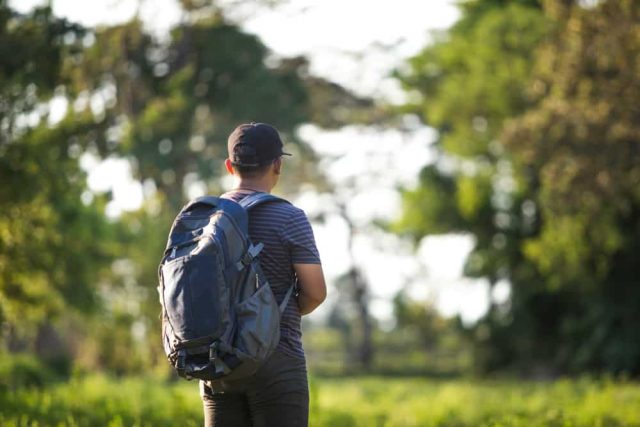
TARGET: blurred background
(471,169)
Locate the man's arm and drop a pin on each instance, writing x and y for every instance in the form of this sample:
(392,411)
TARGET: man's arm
(312,289)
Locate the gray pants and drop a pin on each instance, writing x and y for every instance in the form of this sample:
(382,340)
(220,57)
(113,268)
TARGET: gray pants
(277,395)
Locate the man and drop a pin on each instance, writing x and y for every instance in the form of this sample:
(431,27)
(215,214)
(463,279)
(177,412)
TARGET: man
(278,394)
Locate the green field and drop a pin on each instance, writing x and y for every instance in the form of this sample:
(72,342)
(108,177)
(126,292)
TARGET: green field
(368,401)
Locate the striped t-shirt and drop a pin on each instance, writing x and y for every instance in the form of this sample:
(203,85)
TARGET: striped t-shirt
(288,239)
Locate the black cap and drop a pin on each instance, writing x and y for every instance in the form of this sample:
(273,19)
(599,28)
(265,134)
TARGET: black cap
(254,144)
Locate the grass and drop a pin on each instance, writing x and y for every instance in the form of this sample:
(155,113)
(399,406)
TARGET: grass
(103,401)
(368,401)
(420,402)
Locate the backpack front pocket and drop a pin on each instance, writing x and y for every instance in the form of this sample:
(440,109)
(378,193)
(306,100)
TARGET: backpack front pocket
(191,300)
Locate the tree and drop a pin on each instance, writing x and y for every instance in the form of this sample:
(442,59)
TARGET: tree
(466,85)
(579,151)
(166,107)
(549,197)
(54,246)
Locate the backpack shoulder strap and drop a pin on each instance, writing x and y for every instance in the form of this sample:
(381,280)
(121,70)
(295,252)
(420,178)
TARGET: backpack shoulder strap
(253,200)
(258,198)
(206,200)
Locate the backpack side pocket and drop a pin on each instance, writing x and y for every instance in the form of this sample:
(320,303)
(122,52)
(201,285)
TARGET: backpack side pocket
(258,321)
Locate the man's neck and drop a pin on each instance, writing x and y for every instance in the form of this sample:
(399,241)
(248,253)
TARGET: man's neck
(255,185)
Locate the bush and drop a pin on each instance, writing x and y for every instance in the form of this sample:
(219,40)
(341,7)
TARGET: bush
(23,371)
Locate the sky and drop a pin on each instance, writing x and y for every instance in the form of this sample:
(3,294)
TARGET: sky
(356,43)
(353,42)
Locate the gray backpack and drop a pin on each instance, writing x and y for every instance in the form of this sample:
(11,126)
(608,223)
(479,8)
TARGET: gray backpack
(220,318)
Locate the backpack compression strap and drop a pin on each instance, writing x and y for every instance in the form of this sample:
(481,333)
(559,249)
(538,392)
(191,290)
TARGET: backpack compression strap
(253,200)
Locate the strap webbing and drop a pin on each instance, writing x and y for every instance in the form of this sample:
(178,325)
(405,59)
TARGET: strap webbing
(285,301)
(257,198)
(251,201)
(207,200)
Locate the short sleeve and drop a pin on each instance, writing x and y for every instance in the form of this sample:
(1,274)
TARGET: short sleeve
(297,235)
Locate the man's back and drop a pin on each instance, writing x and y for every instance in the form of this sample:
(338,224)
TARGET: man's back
(288,239)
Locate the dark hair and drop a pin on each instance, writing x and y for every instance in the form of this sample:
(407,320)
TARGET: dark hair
(252,171)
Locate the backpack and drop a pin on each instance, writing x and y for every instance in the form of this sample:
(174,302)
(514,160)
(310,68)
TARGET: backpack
(220,318)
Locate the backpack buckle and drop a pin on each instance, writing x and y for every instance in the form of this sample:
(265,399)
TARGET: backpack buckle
(249,256)
(220,368)
(181,361)
(213,351)
(254,250)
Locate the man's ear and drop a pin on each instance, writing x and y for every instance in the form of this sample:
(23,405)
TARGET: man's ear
(229,166)
(277,165)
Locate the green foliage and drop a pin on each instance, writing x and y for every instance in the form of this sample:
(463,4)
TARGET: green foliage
(419,402)
(48,235)
(23,371)
(366,401)
(52,245)
(100,401)
(581,143)
(172,105)
(536,110)
(69,275)
(168,109)
(473,78)
(419,342)
(31,47)
(466,85)
(420,214)
(435,338)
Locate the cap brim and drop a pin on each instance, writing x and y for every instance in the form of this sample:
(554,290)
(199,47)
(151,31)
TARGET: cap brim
(286,154)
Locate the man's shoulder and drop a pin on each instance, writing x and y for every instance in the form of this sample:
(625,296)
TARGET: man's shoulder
(280,205)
